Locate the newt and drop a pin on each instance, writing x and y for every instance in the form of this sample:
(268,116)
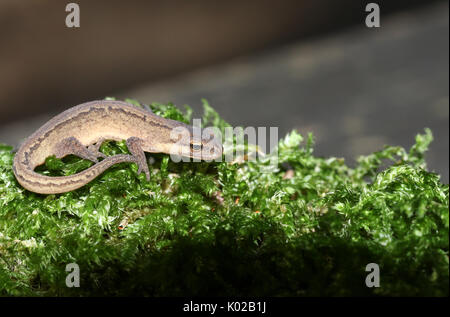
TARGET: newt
(82,129)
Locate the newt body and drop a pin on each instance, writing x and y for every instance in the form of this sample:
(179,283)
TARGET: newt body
(82,129)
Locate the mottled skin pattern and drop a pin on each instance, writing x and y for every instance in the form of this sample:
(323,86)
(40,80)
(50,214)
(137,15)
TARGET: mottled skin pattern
(81,130)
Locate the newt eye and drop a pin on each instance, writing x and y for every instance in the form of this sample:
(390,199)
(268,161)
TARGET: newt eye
(196,146)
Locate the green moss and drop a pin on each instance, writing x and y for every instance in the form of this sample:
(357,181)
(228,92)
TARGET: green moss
(227,229)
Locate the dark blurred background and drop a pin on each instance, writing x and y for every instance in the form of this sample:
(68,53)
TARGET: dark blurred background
(305,64)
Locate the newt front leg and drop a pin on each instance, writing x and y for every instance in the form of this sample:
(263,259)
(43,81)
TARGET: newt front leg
(134,145)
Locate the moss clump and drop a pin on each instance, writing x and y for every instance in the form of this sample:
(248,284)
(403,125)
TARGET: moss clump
(227,229)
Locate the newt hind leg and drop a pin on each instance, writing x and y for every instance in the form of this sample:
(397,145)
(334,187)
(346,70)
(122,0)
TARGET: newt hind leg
(72,145)
(95,148)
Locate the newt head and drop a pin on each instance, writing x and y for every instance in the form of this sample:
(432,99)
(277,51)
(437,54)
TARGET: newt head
(202,144)
(209,147)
